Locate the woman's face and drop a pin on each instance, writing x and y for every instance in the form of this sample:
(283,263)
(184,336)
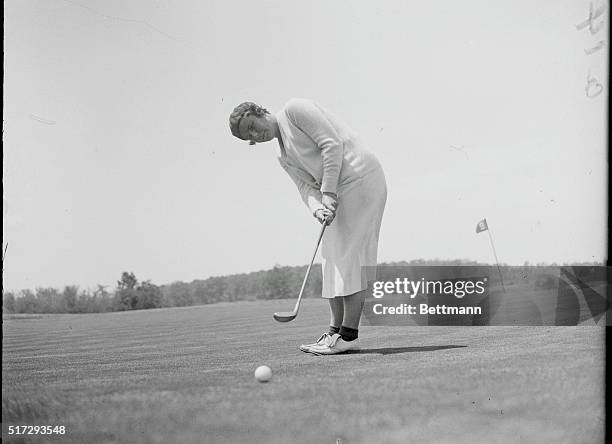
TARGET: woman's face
(256,129)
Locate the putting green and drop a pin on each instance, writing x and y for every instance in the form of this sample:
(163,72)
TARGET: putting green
(186,375)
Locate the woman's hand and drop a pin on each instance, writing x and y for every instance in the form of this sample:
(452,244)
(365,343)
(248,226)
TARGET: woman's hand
(330,201)
(324,215)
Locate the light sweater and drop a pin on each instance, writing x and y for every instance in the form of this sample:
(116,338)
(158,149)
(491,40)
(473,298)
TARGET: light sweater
(321,154)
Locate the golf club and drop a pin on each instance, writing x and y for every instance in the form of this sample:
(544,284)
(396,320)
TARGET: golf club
(286,316)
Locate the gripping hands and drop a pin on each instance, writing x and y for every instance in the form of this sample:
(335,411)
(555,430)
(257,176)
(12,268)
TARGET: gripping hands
(327,214)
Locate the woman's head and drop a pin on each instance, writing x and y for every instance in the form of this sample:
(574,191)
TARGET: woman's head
(252,122)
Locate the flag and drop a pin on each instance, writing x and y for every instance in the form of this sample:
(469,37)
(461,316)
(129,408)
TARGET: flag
(482,226)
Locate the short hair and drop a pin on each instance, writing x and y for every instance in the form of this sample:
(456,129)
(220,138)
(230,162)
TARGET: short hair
(241,111)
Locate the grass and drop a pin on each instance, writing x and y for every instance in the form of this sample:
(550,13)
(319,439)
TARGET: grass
(186,375)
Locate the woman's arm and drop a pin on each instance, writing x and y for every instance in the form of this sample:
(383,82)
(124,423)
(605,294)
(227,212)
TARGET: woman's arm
(310,195)
(311,120)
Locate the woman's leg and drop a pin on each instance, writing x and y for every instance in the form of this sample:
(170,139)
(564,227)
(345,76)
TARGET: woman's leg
(353,306)
(336,308)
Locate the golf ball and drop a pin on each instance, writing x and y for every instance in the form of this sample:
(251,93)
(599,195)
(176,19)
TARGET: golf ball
(263,373)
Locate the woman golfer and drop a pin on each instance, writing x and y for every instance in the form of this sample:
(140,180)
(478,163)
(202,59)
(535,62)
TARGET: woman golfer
(344,186)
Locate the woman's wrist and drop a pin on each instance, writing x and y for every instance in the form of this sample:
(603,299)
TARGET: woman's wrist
(329,193)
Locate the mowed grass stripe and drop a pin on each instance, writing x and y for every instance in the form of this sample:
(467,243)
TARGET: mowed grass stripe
(186,375)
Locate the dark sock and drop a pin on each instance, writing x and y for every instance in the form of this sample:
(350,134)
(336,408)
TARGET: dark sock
(349,334)
(333,330)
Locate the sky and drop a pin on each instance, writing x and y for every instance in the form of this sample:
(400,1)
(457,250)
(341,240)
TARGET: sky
(118,156)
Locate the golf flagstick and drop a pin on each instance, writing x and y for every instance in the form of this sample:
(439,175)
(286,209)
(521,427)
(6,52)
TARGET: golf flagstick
(286,316)
(484,226)
(3,256)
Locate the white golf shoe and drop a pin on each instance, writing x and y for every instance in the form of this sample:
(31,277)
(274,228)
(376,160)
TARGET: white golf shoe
(333,345)
(323,339)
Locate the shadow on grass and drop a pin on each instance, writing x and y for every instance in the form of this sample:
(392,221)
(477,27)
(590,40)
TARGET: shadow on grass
(394,350)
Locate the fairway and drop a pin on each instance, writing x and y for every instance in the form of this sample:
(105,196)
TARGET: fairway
(185,375)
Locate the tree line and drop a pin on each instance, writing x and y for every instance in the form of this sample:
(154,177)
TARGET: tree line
(130,294)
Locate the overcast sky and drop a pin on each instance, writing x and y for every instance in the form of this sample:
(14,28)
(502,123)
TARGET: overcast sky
(118,156)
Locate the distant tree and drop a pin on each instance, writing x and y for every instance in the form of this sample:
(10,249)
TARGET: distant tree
(199,292)
(125,296)
(277,283)
(123,299)
(128,280)
(177,294)
(214,289)
(234,288)
(26,302)
(148,296)
(133,296)
(70,296)
(49,301)
(8,302)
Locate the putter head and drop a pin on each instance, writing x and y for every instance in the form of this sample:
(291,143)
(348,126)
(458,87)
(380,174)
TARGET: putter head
(284,316)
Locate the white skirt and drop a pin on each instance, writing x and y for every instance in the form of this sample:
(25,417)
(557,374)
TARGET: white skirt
(351,241)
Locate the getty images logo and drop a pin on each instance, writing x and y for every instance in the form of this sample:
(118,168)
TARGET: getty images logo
(423,287)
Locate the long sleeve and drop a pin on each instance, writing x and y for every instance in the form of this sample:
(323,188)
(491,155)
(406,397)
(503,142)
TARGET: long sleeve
(309,118)
(310,195)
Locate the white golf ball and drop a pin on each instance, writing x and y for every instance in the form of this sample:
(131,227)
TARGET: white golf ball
(263,373)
